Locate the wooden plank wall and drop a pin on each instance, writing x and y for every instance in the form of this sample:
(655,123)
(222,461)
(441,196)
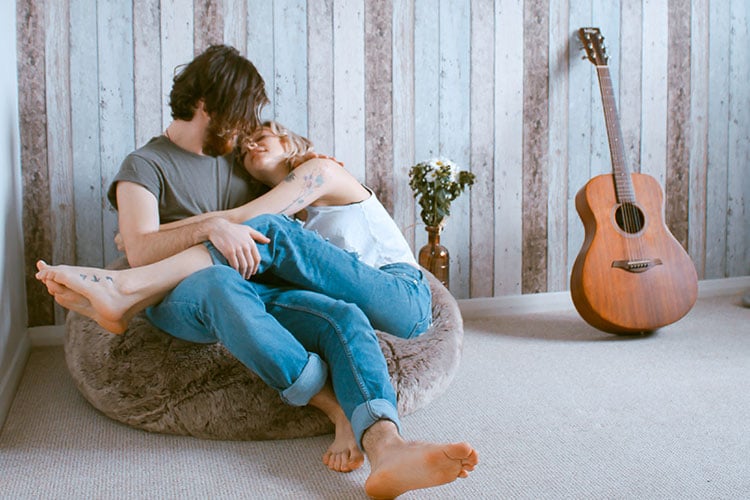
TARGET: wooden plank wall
(498,86)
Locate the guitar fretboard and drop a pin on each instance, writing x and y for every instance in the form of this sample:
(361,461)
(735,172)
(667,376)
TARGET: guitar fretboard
(623,181)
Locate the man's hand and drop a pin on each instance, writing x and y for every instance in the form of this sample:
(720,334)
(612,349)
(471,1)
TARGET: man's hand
(237,243)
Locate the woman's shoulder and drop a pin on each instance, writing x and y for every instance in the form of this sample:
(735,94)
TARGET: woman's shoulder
(313,158)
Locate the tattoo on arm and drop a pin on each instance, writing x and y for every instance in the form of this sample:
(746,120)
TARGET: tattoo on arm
(310,182)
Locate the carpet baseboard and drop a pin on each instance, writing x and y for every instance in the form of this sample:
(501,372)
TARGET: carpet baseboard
(560,301)
(49,335)
(9,382)
(478,308)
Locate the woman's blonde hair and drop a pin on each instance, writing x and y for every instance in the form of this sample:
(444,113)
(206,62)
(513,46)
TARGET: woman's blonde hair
(296,146)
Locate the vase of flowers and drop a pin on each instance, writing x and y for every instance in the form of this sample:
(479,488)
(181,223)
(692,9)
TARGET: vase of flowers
(436,183)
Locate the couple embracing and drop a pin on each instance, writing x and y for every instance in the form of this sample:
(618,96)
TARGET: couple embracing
(238,232)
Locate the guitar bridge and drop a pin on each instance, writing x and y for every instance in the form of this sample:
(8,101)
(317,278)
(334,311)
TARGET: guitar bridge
(636,266)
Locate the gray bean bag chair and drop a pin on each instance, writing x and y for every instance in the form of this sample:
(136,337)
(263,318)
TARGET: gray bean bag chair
(150,380)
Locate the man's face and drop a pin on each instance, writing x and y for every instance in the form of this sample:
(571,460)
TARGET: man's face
(218,142)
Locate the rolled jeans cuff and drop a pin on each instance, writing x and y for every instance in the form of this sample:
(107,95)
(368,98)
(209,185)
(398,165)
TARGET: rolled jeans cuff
(308,384)
(370,412)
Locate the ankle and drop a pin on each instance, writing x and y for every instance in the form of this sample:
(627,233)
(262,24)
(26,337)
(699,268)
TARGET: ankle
(380,436)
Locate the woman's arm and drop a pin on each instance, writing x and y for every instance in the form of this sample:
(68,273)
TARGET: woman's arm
(318,181)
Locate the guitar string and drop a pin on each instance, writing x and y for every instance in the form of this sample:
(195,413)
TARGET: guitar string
(631,220)
(624,191)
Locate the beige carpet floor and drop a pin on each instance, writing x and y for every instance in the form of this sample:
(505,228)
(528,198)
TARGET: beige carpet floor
(556,409)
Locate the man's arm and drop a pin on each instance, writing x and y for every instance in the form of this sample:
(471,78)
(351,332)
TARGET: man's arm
(320,179)
(144,244)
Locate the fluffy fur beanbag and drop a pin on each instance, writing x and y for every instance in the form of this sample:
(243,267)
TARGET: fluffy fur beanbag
(152,381)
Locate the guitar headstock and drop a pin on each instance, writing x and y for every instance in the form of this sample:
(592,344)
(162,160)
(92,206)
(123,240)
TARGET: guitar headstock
(593,44)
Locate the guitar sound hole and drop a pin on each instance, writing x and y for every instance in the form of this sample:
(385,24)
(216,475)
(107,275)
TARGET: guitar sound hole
(629,218)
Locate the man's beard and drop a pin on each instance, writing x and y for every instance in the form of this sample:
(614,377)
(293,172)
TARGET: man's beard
(215,144)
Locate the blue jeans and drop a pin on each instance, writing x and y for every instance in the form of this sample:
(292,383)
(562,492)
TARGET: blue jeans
(395,298)
(283,333)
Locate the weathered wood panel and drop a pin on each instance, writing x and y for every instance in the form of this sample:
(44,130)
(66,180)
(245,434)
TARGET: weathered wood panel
(116,104)
(320,74)
(509,43)
(209,24)
(677,182)
(455,129)
(654,108)
(176,46)
(290,64)
(235,25)
(557,201)
(84,90)
(378,100)
(59,153)
(631,48)
(718,140)
(535,145)
(583,92)
(698,134)
(403,116)
(147,72)
(426,92)
(482,109)
(32,107)
(260,48)
(349,85)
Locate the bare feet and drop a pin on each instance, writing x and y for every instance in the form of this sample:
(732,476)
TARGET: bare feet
(344,454)
(99,294)
(398,466)
(80,304)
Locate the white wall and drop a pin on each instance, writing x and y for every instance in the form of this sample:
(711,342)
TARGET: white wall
(14,343)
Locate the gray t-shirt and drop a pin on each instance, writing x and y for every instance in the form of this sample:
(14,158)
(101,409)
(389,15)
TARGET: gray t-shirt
(185,183)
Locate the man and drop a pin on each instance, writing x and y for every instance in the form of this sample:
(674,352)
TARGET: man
(289,337)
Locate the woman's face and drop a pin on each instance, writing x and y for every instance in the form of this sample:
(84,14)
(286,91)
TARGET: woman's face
(264,154)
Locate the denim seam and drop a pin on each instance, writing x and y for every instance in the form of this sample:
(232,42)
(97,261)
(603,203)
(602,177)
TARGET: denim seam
(365,395)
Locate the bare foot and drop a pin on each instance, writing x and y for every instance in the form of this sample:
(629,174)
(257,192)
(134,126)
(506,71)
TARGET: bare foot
(80,304)
(344,454)
(398,466)
(108,301)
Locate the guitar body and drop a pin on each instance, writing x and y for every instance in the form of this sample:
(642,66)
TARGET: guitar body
(629,279)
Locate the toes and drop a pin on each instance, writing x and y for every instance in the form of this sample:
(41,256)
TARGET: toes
(338,464)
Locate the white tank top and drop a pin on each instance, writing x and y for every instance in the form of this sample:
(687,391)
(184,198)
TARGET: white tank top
(364,228)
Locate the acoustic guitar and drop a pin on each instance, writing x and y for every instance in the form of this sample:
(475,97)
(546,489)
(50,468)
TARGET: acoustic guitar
(631,274)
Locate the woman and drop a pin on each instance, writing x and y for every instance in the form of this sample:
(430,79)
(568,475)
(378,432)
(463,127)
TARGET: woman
(389,288)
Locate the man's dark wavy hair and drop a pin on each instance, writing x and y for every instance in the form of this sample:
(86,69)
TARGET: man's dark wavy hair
(231,88)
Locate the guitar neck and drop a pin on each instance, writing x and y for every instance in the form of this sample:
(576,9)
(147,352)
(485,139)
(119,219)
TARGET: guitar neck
(623,181)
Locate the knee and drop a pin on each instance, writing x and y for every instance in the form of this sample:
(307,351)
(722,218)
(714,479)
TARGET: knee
(213,281)
(350,320)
